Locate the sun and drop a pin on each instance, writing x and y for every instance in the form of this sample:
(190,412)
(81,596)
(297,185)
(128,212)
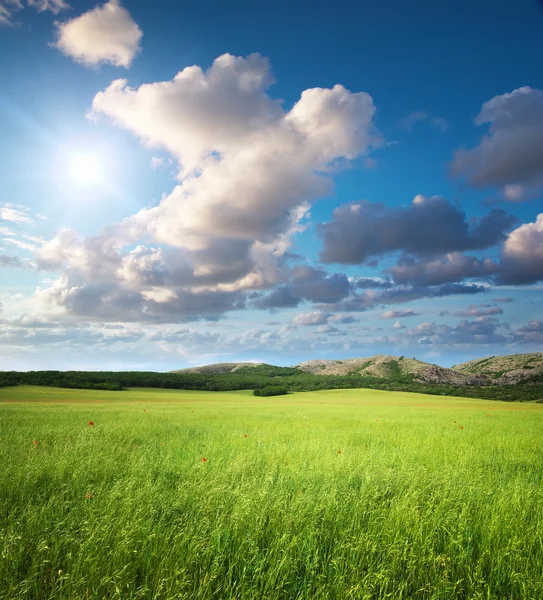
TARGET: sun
(85,169)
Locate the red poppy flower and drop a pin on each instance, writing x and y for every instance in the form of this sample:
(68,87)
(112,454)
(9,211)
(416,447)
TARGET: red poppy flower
(91,422)
(204,459)
(88,496)
(35,442)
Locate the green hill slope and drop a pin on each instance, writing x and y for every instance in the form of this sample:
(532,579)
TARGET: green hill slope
(391,367)
(506,370)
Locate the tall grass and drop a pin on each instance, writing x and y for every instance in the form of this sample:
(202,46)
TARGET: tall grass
(338,494)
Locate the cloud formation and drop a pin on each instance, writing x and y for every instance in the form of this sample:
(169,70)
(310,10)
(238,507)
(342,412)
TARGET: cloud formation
(8,8)
(477,310)
(105,34)
(522,256)
(311,319)
(249,171)
(510,155)
(481,330)
(450,268)
(15,214)
(395,314)
(361,231)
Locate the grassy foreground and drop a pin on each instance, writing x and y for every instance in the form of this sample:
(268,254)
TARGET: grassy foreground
(337,494)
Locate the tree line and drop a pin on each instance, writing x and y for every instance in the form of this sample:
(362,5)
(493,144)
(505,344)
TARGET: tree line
(261,377)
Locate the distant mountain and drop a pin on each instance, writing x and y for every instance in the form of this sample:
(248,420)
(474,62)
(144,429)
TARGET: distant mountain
(495,370)
(390,367)
(218,368)
(505,370)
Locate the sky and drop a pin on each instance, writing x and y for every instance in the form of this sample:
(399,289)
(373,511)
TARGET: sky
(205,181)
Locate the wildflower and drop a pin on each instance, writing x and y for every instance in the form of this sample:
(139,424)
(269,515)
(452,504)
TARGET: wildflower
(204,459)
(454,421)
(339,451)
(91,422)
(377,420)
(244,435)
(460,427)
(35,442)
(88,496)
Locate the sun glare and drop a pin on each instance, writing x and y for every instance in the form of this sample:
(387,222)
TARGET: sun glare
(85,169)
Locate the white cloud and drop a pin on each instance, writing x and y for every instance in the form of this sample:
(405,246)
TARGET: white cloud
(55,6)
(14,214)
(105,34)
(395,314)
(522,256)
(250,171)
(9,7)
(311,319)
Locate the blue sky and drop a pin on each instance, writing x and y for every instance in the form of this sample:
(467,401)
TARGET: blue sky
(192,182)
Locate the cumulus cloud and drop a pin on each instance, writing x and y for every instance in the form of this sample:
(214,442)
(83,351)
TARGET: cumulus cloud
(510,155)
(305,284)
(522,257)
(395,314)
(420,116)
(311,319)
(452,267)
(482,330)
(363,230)
(105,34)
(343,319)
(249,171)
(520,262)
(397,295)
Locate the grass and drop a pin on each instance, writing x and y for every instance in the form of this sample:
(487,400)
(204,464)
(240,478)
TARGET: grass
(337,494)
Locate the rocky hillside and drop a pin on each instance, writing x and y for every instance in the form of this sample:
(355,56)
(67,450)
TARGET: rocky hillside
(391,367)
(508,369)
(495,370)
(218,368)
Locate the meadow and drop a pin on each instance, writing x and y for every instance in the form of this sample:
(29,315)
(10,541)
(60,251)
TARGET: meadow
(340,494)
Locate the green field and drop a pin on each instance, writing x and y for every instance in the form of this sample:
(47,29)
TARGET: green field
(336,494)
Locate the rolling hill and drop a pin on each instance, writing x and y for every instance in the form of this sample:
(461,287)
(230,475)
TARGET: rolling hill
(390,367)
(495,370)
(505,370)
(218,368)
